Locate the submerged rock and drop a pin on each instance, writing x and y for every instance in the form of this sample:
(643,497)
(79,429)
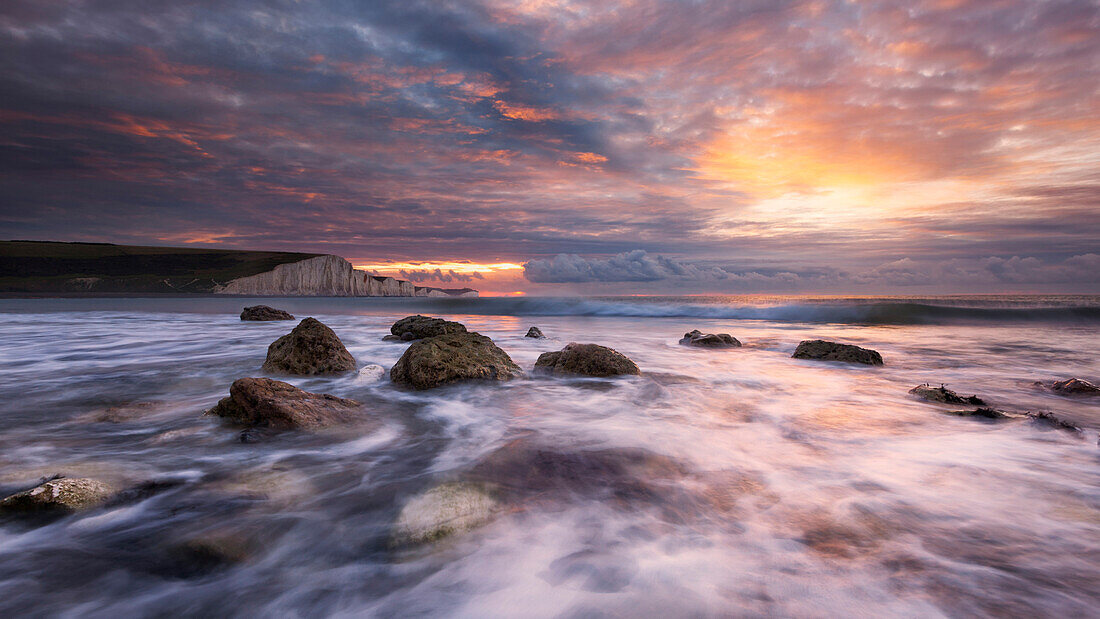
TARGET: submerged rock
(1075,386)
(1050,420)
(443,511)
(586,360)
(535,332)
(524,467)
(832,351)
(277,405)
(419,327)
(264,312)
(943,394)
(709,340)
(452,358)
(310,349)
(66,494)
(986,413)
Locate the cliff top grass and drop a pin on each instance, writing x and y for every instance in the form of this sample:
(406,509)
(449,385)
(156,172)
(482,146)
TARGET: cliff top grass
(56,267)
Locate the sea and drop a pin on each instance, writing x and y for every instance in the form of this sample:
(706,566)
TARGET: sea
(735,482)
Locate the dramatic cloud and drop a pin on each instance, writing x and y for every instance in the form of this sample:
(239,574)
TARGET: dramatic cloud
(762,136)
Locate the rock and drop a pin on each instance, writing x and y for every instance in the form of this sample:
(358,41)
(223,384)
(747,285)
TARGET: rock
(535,332)
(66,494)
(709,340)
(987,413)
(832,351)
(370,373)
(943,394)
(1075,386)
(586,360)
(121,413)
(624,478)
(282,406)
(444,511)
(451,358)
(419,327)
(1050,420)
(263,312)
(310,349)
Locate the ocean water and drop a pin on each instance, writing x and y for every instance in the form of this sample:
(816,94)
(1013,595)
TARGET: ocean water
(719,483)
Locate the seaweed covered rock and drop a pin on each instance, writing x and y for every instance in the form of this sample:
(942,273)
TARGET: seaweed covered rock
(443,511)
(943,394)
(419,327)
(709,340)
(535,332)
(822,350)
(310,349)
(277,405)
(586,360)
(1075,387)
(263,312)
(62,495)
(452,358)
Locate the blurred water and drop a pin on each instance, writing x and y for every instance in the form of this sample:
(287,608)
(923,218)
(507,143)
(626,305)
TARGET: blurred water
(800,488)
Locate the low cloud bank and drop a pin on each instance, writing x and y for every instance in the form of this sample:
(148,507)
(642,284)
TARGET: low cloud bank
(639,266)
(438,275)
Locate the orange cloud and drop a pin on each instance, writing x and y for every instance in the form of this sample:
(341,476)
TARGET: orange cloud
(527,113)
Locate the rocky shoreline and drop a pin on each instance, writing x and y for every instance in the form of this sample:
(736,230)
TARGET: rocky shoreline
(440,353)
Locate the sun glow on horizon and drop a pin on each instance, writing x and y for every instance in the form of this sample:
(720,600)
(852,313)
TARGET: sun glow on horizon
(462,266)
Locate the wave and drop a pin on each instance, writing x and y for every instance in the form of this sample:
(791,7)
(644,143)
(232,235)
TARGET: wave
(857,313)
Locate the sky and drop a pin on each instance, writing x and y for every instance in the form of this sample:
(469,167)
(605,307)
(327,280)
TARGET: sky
(569,147)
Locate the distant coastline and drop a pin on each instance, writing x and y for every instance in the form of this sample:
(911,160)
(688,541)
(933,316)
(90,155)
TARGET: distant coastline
(52,268)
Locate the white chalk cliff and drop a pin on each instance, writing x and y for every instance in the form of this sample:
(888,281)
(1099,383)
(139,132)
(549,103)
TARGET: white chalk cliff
(328,276)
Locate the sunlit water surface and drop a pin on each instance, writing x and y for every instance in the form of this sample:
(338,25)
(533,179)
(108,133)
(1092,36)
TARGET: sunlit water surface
(799,488)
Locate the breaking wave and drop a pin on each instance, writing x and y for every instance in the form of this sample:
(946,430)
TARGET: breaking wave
(852,312)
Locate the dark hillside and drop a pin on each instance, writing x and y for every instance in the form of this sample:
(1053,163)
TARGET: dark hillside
(46,266)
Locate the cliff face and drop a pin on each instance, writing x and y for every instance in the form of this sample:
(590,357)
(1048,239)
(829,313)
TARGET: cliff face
(325,276)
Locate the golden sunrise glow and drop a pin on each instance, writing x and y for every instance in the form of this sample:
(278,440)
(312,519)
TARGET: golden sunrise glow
(457,267)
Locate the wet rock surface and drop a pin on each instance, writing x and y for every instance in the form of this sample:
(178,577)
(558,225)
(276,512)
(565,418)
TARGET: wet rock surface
(310,349)
(535,332)
(419,327)
(62,495)
(442,511)
(944,395)
(264,312)
(1075,387)
(823,350)
(452,358)
(277,405)
(586,360)
(709,340)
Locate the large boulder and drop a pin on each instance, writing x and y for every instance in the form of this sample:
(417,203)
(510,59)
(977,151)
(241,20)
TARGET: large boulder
(310,349)
(419,327)
(263,312)
(1075,386)
(281,406)
(586,360)
(943,394)
(822,350)
(709,340)
(63,495)
(443,511)
(452,358)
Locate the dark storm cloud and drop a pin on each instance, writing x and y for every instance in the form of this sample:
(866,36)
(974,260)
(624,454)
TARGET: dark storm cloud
(510,130)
